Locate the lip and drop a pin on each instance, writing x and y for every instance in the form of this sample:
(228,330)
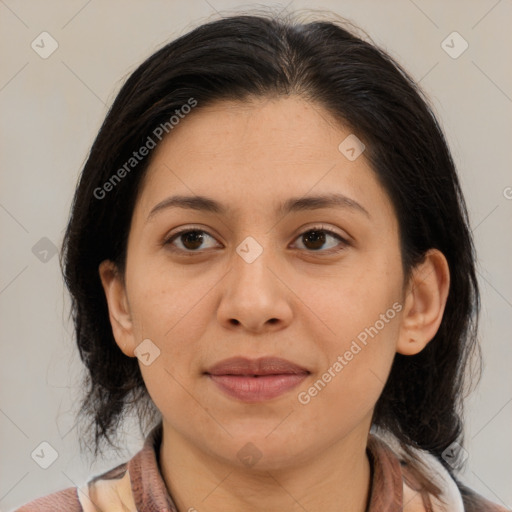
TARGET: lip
(256,380)
(261,366)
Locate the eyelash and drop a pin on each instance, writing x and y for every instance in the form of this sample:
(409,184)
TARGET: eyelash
(187,252)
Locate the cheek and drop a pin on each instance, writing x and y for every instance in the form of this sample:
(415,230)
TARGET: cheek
(346,390)
(363,315)
(173,317)
(362,300)
(165,302)
(174,308)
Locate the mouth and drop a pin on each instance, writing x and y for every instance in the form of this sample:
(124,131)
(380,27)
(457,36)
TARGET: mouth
(256,380)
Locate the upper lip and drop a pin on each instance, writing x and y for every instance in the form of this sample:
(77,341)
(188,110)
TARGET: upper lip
(261,366)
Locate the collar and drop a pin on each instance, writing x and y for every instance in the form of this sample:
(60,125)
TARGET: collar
(138,484)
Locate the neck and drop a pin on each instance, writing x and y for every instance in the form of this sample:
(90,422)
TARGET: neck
(334,480)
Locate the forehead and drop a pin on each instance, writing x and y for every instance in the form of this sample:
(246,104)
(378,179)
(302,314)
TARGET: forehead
(251,154)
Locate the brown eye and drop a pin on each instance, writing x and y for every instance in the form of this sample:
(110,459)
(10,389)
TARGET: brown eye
(192,239)
(317,239)
(314,239)
(189,240)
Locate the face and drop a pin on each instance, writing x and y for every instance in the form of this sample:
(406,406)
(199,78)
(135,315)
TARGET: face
(319,284)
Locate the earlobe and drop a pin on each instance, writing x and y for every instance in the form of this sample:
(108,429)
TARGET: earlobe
(425,301)
(118,306)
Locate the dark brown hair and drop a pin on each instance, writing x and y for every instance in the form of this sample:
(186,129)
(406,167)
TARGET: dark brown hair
(244,56)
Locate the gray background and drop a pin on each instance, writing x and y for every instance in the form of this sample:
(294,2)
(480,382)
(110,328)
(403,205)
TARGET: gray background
(51,111)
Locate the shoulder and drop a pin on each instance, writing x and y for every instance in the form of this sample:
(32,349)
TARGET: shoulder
(474,502)
(61,501)
(421,482)
(68,500)
(142,469)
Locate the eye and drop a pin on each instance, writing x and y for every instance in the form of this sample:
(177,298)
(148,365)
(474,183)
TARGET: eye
(190,240)
(316,238)
(313,240)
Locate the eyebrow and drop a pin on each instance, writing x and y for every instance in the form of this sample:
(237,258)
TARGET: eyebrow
(206,204)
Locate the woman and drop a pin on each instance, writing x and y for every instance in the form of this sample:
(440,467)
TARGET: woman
(269,259)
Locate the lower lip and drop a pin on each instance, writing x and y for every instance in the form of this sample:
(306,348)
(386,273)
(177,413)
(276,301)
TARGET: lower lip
(257,389)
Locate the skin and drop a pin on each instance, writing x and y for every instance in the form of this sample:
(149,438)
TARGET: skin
(293,301)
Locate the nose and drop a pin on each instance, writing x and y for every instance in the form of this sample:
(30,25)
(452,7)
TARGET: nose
(254,297)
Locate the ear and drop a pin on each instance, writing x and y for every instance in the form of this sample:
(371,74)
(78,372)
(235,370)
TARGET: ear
(425,299)
(118,306)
